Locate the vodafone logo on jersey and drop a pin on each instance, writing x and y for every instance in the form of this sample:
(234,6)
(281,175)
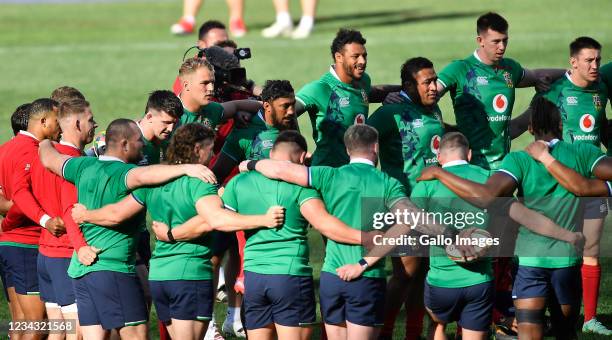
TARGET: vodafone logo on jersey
(434,144)
(360,119)
(500,103)
(587,122)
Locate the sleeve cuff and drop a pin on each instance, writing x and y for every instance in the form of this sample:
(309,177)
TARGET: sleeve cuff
(43,220)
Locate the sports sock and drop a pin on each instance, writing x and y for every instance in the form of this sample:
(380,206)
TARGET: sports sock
(283,18)
(306,22)
(189,18)
(591,276)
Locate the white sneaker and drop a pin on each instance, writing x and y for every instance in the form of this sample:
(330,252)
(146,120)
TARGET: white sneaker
(301,32)
(212,333)
(277,29)
(234,329)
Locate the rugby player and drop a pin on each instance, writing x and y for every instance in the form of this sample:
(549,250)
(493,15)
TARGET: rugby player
(340,98)
(547,267)
(57,196)
(108,293)
(21,228)
(181,273)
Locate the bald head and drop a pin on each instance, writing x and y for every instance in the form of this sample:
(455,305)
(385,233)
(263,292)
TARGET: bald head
(291,146)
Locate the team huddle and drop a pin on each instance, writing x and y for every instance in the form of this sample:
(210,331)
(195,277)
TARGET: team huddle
(235,178)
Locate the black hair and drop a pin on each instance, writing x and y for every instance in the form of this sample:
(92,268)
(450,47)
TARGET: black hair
(291,136)
(581,43)
(346,36)
(274,89)
(166,101)
(545,117)
(42,106)
(19,118)
(411,67)
(227,43)
(491,21)
(207,26)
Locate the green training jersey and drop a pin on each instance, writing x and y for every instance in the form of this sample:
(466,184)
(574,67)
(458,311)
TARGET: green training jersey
(283,250)
(210,115)
(333,107)
(251,142)
(483,97)
(354,193)
(433,196)
(545,195)
(605,73)
(583,109)
(100,182)
(152,153)
(174,204)
(409,137)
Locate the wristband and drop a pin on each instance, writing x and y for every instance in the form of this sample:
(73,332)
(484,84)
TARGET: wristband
(251,165)
(170,236)
(363,263)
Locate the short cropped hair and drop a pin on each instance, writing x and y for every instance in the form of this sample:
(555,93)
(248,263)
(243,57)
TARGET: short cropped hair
(193,64)
(491,21)
(207,26)
(411,67)
(274,89)
(41,107)
(360,137)
(66,93)
(72,107)
(455,141)
(227,43)
(346,36)
(117,130)
(184,140)
(291,136)
(166,101)
(19,118)
(581,43)
(545,117)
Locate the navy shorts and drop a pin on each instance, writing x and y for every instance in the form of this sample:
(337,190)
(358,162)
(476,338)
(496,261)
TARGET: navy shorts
(287,300)
(361,301)
(471,307)
(53,281)
(143,248)
(564,283)
(595,208)
(19,264)
(111,299)
(222,241)
(183,299)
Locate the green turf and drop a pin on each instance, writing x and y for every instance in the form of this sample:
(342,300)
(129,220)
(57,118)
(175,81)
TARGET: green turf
(117,52)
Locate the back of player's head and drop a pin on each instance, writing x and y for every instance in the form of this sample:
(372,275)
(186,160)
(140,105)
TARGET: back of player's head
(19,118)
(581,43)
(411,67)
(165,101)
(274,89)
(360,138)
(545,117)
(118,130)
(209,25)
(40,108)
(184,140)
(291,138)
(66,93)
(455,142)
(492,21)
(227,43)
(346,36)
(191,65)
(72,107)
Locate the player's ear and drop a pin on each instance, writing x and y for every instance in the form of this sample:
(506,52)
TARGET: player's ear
(375,148)
(469,155)
(479,40)
(302,157)
(574,62)
(338,57)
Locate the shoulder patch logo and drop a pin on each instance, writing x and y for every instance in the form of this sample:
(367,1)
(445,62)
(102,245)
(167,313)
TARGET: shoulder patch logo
(344,102)
(597,102)
(480,80)
(587,122)
(500,103)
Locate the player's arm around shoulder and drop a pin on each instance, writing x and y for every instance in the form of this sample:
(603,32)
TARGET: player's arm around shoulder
(111,215)
(316,214)
(160,173)
(51,158)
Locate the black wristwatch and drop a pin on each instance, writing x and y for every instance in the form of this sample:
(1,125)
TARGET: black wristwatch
(170,236)
(363,263)
(450,232)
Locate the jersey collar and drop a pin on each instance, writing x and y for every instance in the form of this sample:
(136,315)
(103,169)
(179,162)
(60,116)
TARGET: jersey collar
(454,163)
(63,142)
(109,158)
(361,161)
(552,143)
(22,132)
(406,96)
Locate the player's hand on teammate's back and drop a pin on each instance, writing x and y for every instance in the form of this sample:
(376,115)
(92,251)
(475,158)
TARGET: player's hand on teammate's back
(161,230)
(538,150)
(242,167)
(578,242)
(275,217)
(543,83)
(78,213)
(87,255)
(393,98)
(55,226)
(429,173)
(350,272)
(201,172)
(243,118)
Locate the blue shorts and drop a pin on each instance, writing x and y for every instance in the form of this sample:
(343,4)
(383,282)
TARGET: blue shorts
(144,248)
(595,208)
(19,264)
(287,300)
(55,285)
(111,299)
(361,301)
(564,283)
(222,241)
(471,307)
(183,299)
